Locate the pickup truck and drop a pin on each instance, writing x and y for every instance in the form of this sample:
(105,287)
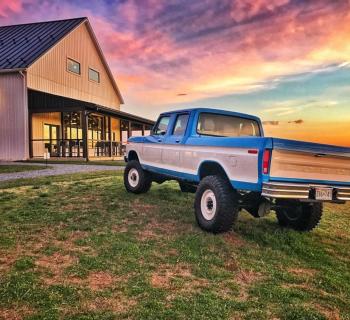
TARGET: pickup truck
(224,158)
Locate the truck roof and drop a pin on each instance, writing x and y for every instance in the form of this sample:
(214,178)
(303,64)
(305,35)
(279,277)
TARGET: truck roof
(213,110)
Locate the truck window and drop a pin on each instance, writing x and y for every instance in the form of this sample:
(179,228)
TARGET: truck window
(162,126)
(180,125)
(227,126)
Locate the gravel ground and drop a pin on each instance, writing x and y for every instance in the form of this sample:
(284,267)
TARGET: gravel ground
(53,170)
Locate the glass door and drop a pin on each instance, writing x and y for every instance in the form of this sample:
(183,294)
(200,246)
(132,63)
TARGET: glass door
(51,136)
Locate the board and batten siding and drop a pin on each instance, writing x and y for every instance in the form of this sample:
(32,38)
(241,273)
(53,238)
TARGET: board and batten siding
(14,140)
(115,129)
(49,73)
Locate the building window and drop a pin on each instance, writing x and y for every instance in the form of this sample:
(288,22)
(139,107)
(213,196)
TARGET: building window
(94,75)
(72,126)
(73,66)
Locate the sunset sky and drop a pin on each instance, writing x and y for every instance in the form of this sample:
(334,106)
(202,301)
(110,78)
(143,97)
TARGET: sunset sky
(285,61)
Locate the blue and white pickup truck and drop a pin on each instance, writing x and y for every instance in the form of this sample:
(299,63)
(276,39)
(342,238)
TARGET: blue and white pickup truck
(225,159)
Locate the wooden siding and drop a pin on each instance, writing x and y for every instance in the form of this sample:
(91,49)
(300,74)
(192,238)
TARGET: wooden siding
(14,140)
(49,74)
(115,126)
(38,121)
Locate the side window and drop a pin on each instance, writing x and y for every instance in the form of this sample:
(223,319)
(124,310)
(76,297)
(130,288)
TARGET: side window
(180,125)
(162,126)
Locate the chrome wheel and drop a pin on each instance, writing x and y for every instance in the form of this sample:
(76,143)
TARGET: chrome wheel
(208,204)
(133,178)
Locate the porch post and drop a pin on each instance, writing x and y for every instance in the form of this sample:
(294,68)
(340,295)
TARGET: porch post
(143,130)
(84,115)
(129,129)
(62,143)
(110,135)
(30,126)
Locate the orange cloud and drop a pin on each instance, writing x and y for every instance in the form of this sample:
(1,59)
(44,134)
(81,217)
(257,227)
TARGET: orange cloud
(320,132)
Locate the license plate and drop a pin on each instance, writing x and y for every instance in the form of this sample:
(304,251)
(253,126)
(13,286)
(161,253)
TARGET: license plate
(324,194)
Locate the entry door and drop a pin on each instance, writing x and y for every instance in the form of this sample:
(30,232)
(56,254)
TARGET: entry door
(152,151)
(51,134)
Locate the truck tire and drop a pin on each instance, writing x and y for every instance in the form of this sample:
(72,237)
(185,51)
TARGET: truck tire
(301,217)
(136,180)
(186,187)
(216,205)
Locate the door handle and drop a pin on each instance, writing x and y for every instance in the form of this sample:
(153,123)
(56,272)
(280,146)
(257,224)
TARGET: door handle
(159,140)
(177,141)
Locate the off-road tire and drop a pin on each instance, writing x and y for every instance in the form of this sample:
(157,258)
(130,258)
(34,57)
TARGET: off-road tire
(186,187)
(144,181)
(227,208)
(300,216)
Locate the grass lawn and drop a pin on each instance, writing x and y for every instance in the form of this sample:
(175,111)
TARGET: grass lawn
(19,168)
(91,162)
(80,247)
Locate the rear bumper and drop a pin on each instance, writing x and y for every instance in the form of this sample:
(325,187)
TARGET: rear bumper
(301,191)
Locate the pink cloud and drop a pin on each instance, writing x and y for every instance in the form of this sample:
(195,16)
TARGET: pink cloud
(245,9)
(7,8)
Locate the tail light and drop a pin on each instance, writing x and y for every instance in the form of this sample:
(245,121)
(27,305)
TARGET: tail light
(266,161)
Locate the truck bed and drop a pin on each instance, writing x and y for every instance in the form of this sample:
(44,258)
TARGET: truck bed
(296,166)
(309,162)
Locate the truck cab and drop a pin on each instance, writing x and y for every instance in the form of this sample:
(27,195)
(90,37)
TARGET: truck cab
(226,153)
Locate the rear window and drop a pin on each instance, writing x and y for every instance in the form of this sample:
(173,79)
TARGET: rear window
(227,126)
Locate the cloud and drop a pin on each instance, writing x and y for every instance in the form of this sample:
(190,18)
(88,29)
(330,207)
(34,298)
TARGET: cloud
(8,8)
(296,106)
(299,121)
(271,123)
(246,9)
(206,48)
(277,122)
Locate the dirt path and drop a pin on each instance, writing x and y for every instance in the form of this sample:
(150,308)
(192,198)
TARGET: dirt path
(53,170)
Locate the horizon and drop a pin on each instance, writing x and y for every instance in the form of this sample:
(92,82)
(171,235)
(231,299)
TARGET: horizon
(286,62)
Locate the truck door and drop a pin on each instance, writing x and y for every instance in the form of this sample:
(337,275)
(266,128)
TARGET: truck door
(152,150)
(173,143)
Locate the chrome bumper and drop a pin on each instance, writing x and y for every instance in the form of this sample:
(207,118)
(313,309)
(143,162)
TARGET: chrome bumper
(301,191)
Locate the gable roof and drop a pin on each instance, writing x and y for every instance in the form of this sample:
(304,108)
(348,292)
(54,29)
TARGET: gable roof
(23,44)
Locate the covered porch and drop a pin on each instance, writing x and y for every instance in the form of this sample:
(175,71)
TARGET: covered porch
(68,128)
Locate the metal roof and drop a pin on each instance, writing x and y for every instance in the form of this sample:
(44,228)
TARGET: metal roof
(21,45)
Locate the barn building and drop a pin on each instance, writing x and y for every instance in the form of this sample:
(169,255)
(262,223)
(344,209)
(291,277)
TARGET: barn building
(58,95)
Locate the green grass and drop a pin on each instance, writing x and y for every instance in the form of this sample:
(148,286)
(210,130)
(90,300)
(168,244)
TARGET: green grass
(80,247)
(19,168)
(91,162)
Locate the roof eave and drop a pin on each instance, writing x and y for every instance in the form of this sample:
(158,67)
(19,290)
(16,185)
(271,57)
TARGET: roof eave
(12,70)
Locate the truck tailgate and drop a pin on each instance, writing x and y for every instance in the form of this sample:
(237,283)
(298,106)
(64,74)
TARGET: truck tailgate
(310,162)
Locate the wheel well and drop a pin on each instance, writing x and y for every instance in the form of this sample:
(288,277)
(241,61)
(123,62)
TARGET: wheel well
(132,155)
(211,168)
